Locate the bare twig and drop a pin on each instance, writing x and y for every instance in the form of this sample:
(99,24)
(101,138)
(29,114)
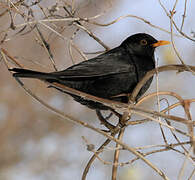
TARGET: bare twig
(93,36)
(46,46)
(125,16)
(192,174)
(158,103)
(181,172)
(184,15)
(172,67)
(116,155)
(93,158)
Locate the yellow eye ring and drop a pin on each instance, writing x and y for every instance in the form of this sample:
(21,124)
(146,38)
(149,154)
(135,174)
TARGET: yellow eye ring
(143,42)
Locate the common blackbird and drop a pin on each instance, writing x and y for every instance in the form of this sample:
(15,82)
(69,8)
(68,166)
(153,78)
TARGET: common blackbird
(111,75)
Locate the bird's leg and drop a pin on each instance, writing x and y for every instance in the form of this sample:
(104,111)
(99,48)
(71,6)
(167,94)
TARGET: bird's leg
(124,118)
(104,121)
(109,116)
(116,113)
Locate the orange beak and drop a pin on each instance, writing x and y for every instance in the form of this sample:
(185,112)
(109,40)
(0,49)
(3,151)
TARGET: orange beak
(160,43)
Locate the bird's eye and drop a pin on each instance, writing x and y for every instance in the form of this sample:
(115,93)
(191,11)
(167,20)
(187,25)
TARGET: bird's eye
(143,42)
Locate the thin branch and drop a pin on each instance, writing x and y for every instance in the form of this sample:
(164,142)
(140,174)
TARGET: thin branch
(181,172)
(46,46)
(183,16)
(192,174)
(116,155)
(175,25)
(86,170)
(173,67)
(158,103)
(91,34)
(125,16)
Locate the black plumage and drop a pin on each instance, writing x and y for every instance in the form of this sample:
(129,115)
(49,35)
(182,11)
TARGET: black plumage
(110,75)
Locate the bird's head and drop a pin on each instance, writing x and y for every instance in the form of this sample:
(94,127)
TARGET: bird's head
(143,44)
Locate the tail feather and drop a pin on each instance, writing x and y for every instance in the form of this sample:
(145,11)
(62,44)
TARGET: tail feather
(25,73)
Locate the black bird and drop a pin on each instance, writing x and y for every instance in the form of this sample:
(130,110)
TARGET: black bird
(111,75)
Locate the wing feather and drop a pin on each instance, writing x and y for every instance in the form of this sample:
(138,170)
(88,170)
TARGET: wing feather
(103,65)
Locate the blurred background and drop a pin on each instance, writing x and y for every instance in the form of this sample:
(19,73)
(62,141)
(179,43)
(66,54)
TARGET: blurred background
(34,143)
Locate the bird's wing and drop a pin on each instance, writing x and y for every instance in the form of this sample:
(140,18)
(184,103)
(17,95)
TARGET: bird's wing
(113,62)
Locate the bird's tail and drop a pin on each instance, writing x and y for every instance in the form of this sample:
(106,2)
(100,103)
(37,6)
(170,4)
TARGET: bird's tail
(25,73)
